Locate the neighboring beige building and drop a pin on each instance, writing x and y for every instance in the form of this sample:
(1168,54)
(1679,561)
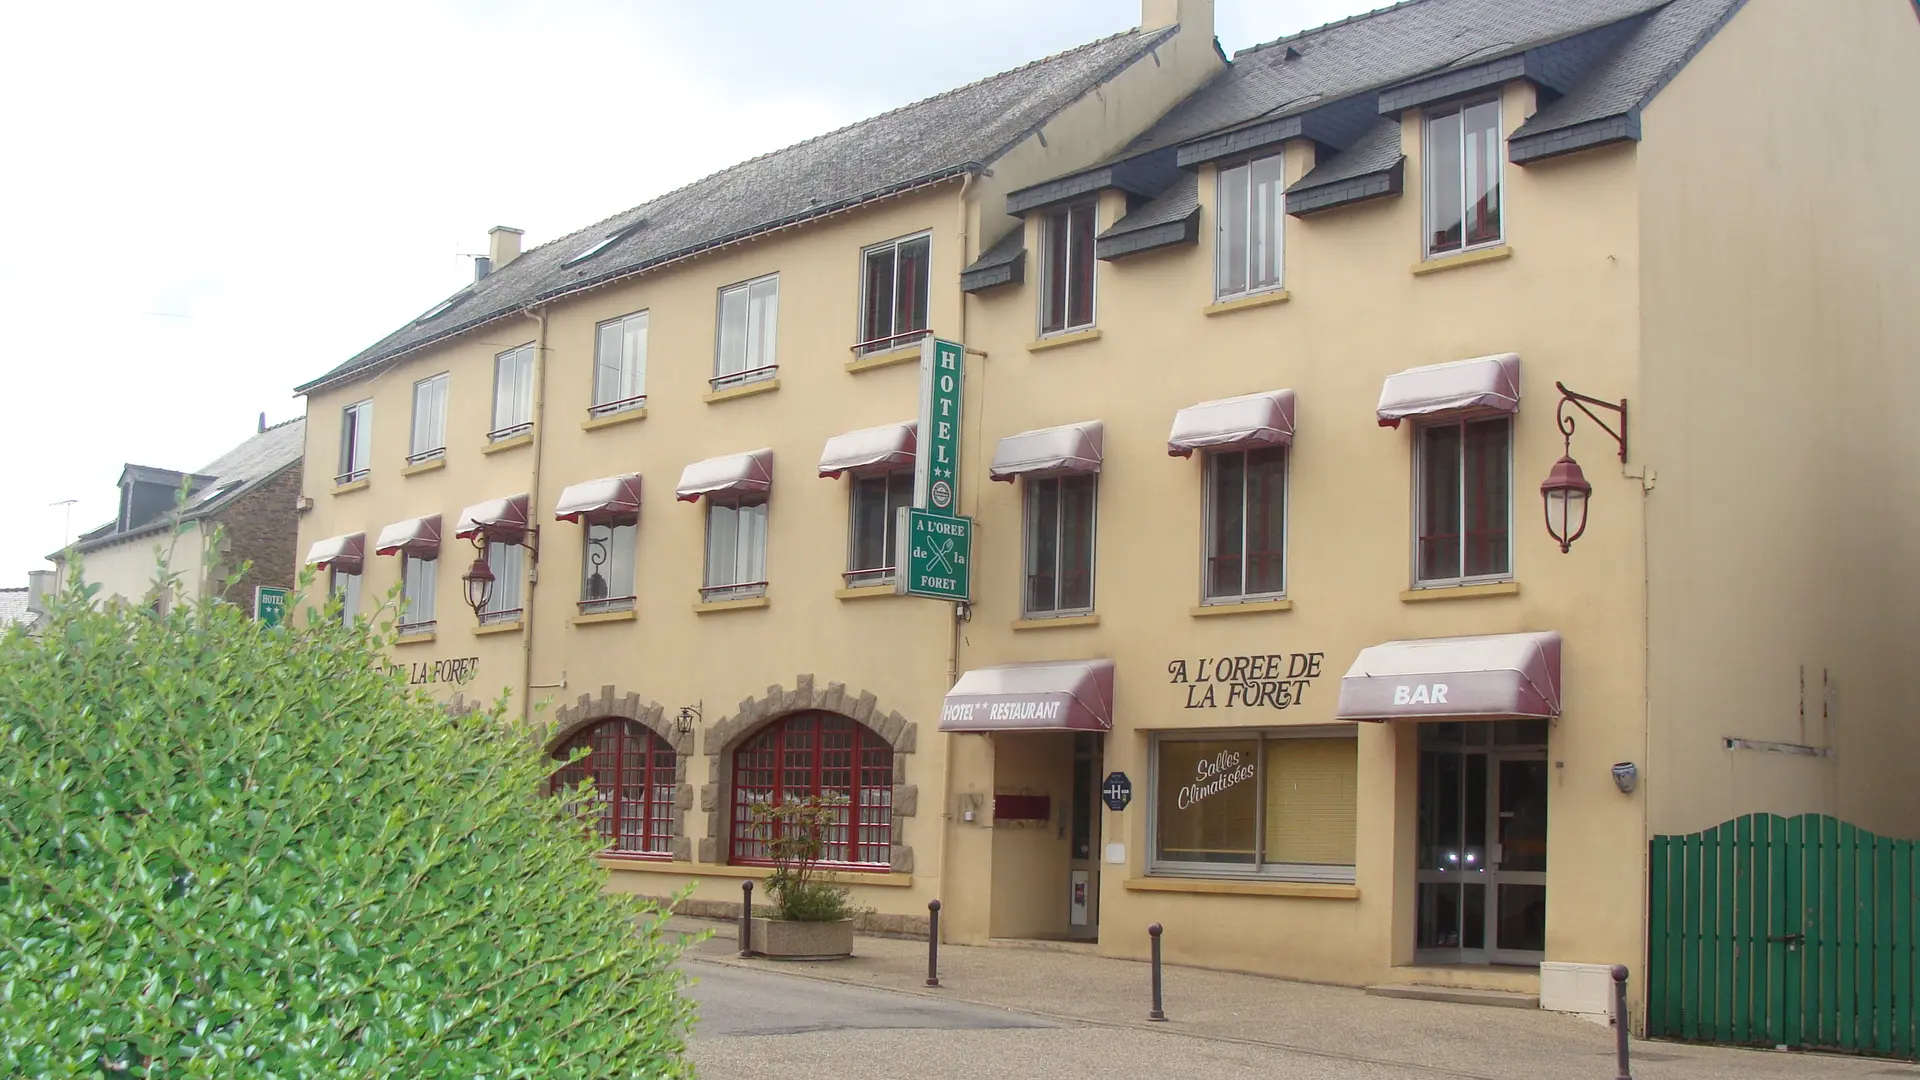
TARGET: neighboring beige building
(245,497)
(1266,352)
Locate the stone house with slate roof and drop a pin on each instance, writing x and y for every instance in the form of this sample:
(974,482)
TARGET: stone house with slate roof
(1263,361)
(245,498)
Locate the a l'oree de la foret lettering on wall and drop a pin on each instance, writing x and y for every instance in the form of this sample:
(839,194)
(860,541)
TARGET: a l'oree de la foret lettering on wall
(458,670)
(1273,680)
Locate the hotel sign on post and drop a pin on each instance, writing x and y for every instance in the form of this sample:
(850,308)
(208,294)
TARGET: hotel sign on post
(934,544)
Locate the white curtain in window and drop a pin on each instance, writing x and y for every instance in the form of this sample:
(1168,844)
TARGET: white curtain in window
(620,365)
(429,415)
(513,388)
(417,586)
(505,560)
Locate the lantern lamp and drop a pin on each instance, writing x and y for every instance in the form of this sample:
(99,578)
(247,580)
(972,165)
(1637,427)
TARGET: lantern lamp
(1565,491)
(479,582)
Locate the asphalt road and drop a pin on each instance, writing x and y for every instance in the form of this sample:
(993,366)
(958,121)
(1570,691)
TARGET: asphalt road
(734,1003)
(765,1024)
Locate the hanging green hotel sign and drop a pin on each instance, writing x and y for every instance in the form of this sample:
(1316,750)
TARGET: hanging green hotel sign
(270,604)
(936,472)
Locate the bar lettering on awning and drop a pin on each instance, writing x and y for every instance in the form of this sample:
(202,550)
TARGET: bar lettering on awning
(1052,695)
(1236,423)
(1490,677)
(875,449)
(1486,384)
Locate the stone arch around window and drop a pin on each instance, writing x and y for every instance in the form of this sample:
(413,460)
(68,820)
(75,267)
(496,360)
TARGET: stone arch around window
(610,704)
(716,796)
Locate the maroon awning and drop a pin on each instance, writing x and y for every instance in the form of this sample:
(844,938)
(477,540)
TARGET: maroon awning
(1484,384)
(1070,448)
(735,474)
(1052,695)
(343,553)
(1236,423)
(1492,677)
(418,537)
(610,500)
(875,449)
(503,520)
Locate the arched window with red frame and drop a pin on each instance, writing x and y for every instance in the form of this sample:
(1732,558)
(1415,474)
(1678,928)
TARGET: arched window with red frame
(816,753)
(632,769)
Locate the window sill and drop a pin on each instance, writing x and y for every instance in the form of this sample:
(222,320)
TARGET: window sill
(424,466)
(497,628)
(1241,303)
(885,359)
(758,386)
(357,485)
(647,865)
(415,639)
(1059,341)
(1311,890)
(1059,622)
(708,607)
(626,416)
(514,443)
(865,592)
(1464,258)
(1461,592)
(605,616)
(1250,607)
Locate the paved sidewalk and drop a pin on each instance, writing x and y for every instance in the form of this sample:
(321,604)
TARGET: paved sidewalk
(1336,1024)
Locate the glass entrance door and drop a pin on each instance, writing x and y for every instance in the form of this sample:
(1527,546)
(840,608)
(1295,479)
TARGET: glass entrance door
(1083,822)
(1481,881)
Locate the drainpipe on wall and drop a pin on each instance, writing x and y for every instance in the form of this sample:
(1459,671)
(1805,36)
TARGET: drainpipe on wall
(953,644)
(532,583)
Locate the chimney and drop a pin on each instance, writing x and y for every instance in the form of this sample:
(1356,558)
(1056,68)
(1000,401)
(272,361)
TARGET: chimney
(482,266)
(263,425)
(1195,16)
(503,246)
(39,584)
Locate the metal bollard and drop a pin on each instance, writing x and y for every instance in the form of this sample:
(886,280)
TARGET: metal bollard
(933,943)
(1621,1067)
(1158,1013)
(746,918)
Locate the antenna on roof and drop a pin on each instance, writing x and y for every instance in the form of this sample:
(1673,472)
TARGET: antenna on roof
(66,532)
(482,264)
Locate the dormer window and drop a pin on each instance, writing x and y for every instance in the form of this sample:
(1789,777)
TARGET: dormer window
(1066,269)
(1462,167)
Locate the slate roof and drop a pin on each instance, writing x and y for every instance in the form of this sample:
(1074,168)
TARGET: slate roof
(927,142)
(1181,199)
(1367,53)
(234,473)
(13,608)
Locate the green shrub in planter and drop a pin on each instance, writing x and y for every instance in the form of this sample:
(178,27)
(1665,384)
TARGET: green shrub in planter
(230,850)
(795,835)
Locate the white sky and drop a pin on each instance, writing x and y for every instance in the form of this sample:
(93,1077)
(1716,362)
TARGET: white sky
(212,202)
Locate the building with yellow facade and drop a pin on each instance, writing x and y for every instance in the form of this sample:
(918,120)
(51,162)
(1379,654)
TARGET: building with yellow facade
(1265,361)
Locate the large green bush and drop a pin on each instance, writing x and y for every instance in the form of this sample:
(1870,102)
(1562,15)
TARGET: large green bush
(228,850)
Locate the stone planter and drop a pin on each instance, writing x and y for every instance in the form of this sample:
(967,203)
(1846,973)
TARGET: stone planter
(784,939)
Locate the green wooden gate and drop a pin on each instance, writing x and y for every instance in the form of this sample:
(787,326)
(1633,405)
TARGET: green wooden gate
(1772,931)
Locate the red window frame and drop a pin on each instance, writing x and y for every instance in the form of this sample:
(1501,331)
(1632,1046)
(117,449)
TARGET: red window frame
(812,753)
(633,771)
